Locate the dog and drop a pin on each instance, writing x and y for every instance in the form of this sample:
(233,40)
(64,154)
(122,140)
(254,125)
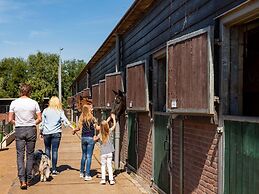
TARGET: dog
(41,165)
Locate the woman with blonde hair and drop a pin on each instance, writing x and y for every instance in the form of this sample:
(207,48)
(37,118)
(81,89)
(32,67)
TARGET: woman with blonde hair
(87,124)
(52,119)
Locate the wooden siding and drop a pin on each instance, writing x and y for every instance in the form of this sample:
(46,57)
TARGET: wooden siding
(102,93)
(137,87)
(113,81)
(83,82)
(95,95)
(104,66)
(86,93)
(168,20)
(189,71)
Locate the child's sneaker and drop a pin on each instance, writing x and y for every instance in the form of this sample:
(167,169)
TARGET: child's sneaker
(102,182)
(88,178)
(81,175)
(112,182)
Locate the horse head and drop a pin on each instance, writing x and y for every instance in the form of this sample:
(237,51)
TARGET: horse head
(83,101)
(119,104)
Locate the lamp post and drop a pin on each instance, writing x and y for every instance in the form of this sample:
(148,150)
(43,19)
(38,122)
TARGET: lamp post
(59,76)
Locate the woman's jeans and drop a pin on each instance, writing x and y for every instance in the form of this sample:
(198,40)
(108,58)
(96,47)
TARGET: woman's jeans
(52,141)
(87,152)
(25,137)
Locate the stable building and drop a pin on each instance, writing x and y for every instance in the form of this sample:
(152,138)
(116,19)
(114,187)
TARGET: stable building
(189,70)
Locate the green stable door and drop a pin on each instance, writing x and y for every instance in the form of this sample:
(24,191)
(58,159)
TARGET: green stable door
(241,158)
(161,153)
(133,141)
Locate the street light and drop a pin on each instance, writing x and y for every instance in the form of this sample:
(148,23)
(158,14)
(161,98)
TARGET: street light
(59,76)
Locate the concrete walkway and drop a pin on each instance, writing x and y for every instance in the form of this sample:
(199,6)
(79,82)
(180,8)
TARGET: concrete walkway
(68,181)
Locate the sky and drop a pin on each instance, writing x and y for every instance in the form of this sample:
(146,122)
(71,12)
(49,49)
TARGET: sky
(78,26)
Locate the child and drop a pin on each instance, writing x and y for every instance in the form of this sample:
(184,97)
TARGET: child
(106,149)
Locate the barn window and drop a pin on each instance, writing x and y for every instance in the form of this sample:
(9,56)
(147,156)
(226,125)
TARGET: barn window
(190,81)
(159,81)
(102,93)
(113,81)
(240,51)
(95,95)
(137,87)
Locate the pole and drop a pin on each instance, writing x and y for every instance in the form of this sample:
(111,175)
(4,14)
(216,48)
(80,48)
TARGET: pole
(59,76)
(117,129)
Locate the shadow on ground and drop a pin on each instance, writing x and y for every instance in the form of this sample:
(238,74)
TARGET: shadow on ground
(62,168)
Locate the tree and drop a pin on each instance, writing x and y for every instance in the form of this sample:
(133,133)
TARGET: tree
(13,71)
(42,71)
(70,70)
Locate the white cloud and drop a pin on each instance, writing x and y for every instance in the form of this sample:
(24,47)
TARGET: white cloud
(11,10)
(12,43)
(37,33)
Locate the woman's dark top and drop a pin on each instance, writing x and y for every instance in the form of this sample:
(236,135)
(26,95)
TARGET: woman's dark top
(88,129)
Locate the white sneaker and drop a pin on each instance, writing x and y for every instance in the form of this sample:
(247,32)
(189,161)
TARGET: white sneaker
(112,182)
(55,173)
(81,175)
(102,182)
(88,178)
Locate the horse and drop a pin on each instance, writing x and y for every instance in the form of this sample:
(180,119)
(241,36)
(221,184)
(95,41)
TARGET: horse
(81,101)
(119,104)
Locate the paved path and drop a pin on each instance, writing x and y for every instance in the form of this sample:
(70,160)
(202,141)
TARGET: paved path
(68,181)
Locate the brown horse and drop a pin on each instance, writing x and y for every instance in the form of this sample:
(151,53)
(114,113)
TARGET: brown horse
(119,104)
(81,101)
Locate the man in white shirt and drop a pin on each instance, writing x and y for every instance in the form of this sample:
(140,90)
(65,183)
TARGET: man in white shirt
(22,115)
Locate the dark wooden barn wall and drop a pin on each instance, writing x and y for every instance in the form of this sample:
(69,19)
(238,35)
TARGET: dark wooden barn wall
(82,84)
(105,66)
(167,20)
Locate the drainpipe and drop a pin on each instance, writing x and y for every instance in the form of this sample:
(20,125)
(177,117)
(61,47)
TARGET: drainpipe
(117,129)
(181,133)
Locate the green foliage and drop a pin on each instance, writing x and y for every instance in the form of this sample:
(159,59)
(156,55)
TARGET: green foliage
(70,70)
(13,71)
(41,71)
